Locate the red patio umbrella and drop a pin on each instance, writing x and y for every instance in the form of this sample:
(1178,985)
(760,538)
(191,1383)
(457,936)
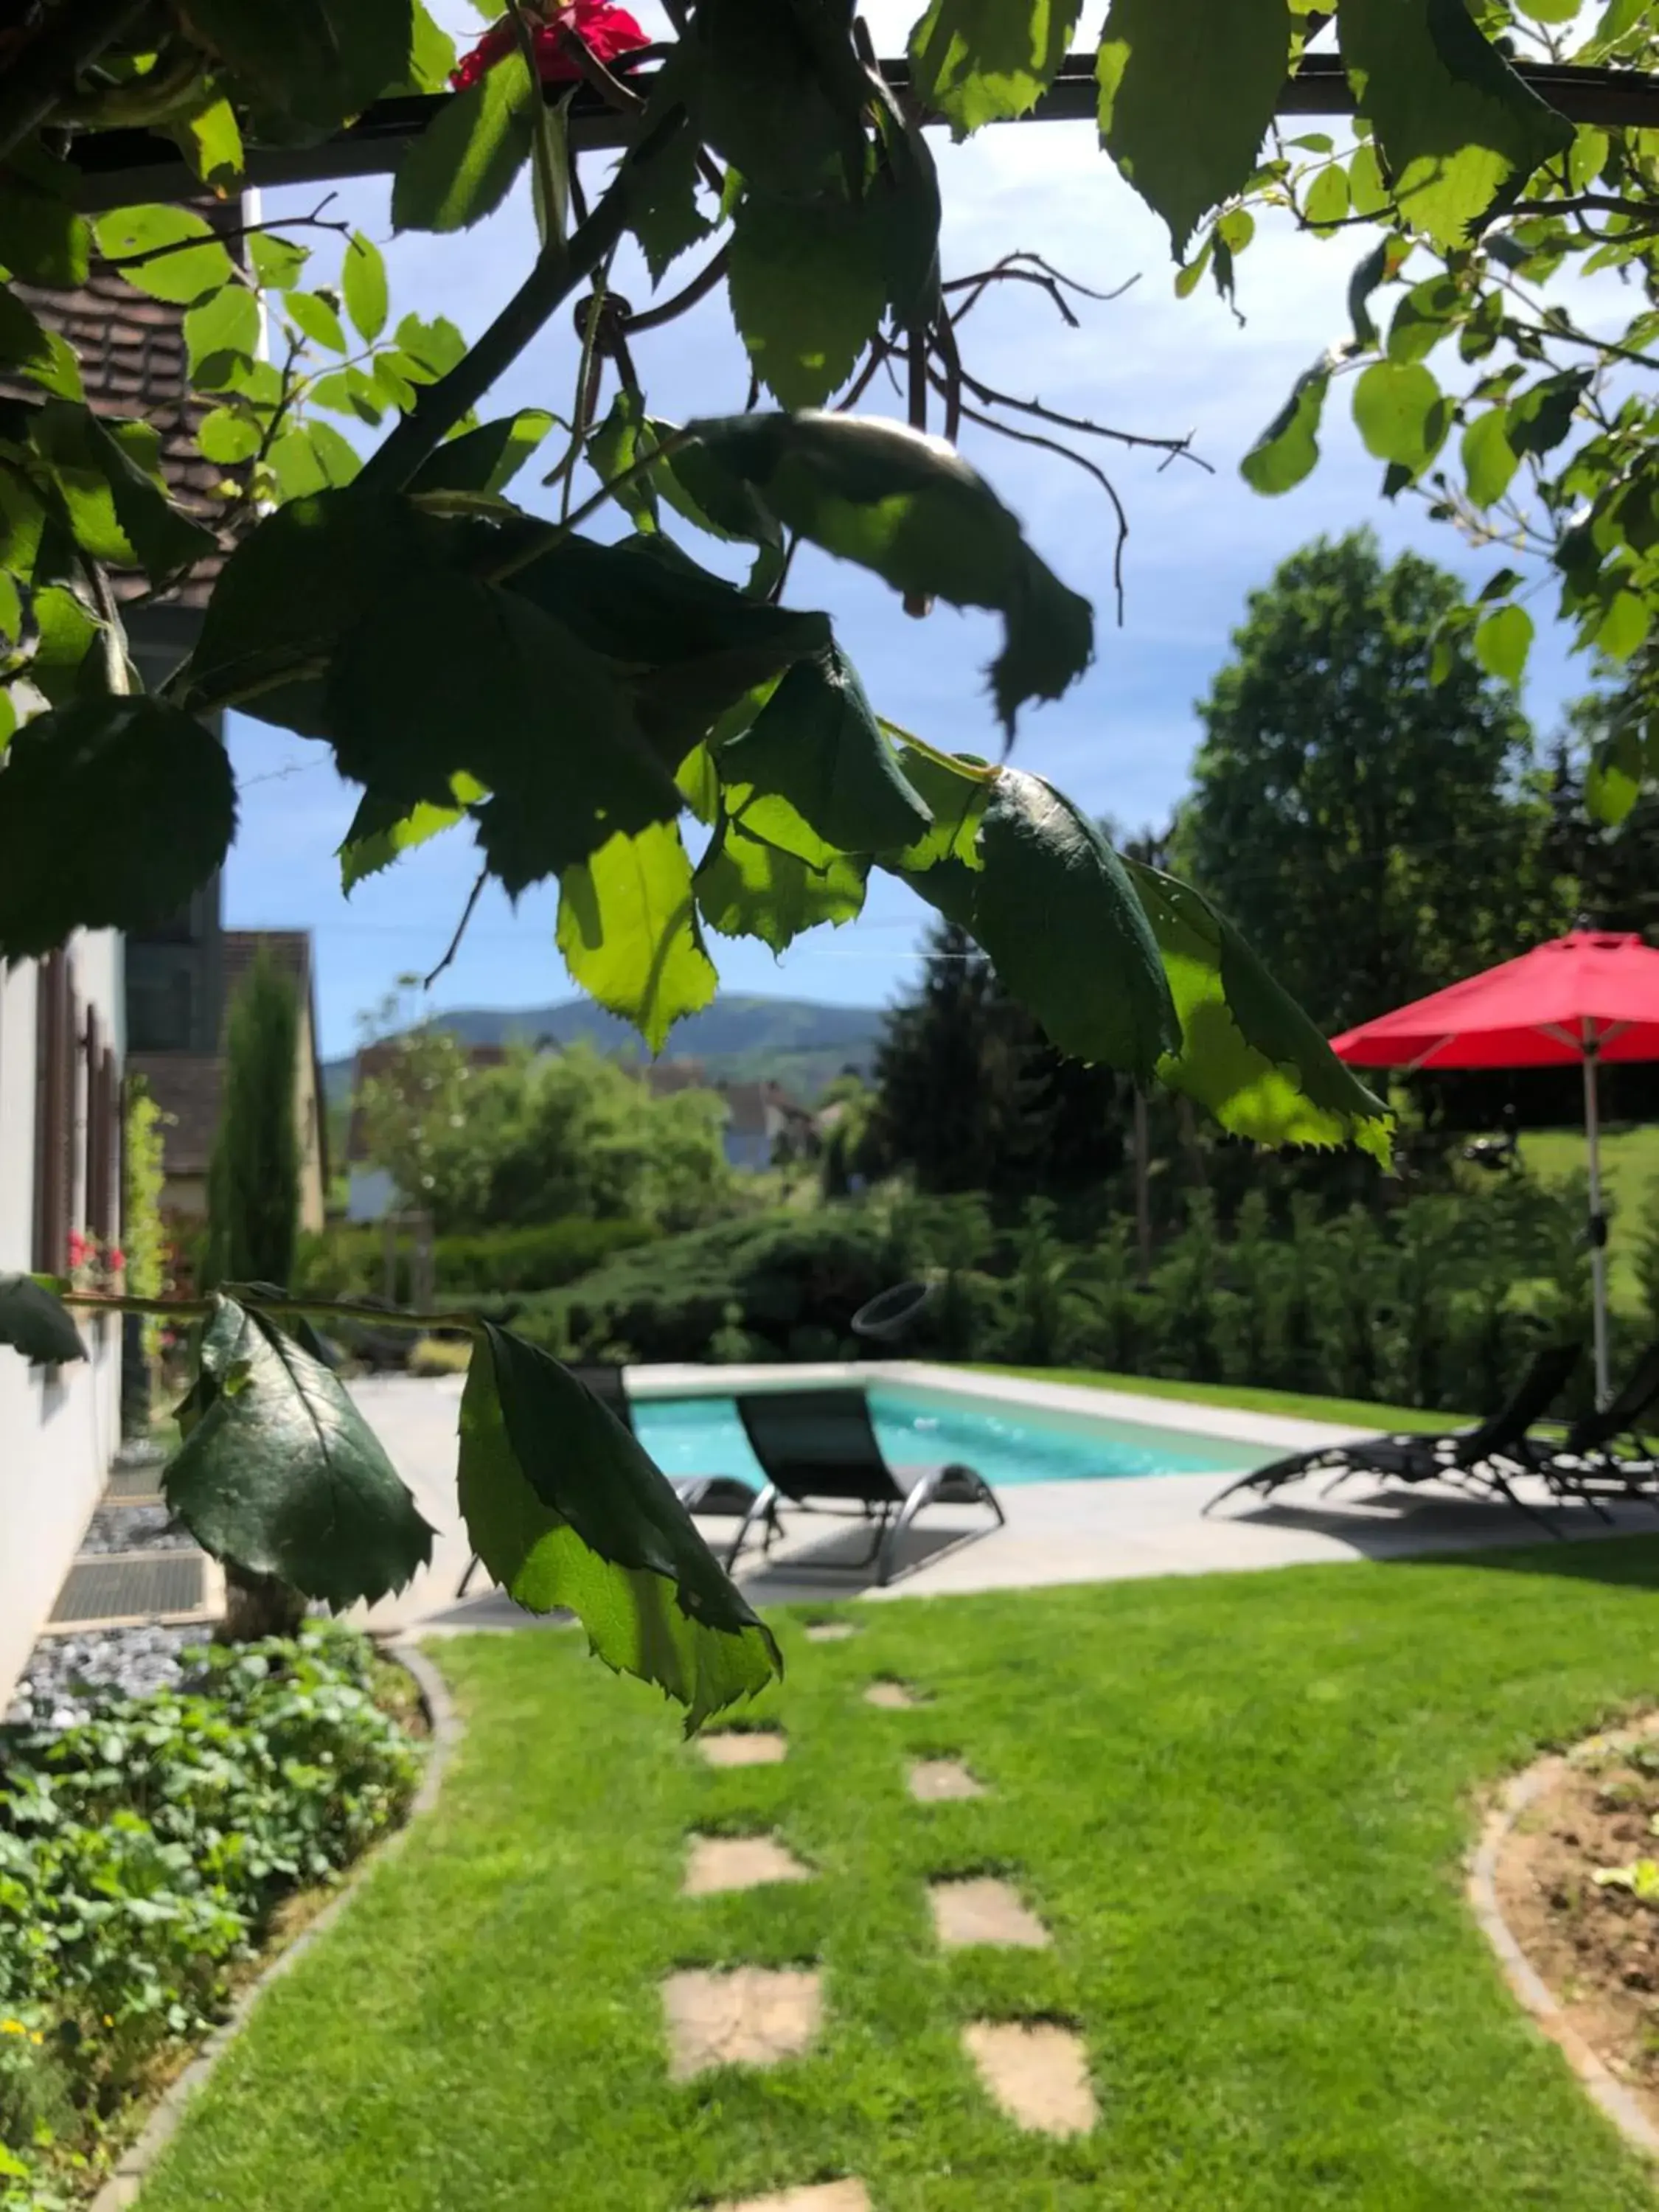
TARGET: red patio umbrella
(1591,996)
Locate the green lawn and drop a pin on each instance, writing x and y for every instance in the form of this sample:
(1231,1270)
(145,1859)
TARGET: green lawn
(1240,1802)
(1295,1405)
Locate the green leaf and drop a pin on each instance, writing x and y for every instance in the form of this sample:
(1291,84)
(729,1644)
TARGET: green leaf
(363,282)
(181,277)
(957,791)
(383,829)
(432,54)
(107,483)
(747,887)
(281,1475)
(807,284)
(228,436)
(760,98)
(463,164)
(617,446)
(1489,460)
(42,238)
(695,485)
(1613,782)
(317,318)
(68,632)
(1062,925)
(1459,132)
(27,348)
(663,212)
(136,791)
(1502,641)
(1249,1053)
(1367,276)
(225,323)
(1624,626)
(1327,203)
(37,1323)
(1288,449)
(914,511)
(317,61)
(986,61)
(628,929)
(1187,93)
(814,774)
(1540,418)
(1400,413)
(210,140)
(427,351)
(313,458)
(276,261)
(565,1508)
(488,458)
(1422,317)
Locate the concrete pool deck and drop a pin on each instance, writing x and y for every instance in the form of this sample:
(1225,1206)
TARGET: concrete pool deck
(1115,1529)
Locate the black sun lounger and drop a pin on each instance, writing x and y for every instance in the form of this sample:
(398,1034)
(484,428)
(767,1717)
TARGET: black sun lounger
(819,1449)
(1483,1457)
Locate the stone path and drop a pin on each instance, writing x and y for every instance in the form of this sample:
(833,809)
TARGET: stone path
(1034,2071)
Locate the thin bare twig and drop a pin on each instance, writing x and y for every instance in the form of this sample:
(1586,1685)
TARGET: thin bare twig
(472,898)
(1176,447)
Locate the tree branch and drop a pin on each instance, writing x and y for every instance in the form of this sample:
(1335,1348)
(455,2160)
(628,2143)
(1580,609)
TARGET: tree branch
(472,898)
(557,272)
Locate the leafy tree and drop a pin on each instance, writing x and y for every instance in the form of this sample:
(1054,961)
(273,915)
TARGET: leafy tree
(253,1180)
(970,1095)
(1379,832)
(1609,866)
(414,1105)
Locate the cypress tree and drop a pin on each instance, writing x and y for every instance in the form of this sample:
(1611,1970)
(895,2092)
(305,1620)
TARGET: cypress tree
(253,1184)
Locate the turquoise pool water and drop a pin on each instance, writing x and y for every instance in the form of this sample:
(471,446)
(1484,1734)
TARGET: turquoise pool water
(1008,1444)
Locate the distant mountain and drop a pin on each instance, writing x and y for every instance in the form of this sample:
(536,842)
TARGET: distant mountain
(799,1043)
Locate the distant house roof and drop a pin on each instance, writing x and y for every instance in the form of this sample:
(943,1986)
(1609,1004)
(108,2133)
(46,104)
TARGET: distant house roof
(756,1109)
(187,1086)
(374,1059)
(663,1078)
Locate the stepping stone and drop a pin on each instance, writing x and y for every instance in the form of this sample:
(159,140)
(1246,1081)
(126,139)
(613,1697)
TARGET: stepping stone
(1037,2074)
(934,1781)
(829,1632)
(753,2016)
(744,1747)
(827,2196)
(718,1862)
(983,1909)
(892,1697)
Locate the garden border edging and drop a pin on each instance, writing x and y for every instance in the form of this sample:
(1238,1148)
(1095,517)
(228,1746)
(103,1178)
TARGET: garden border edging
(122,2188)
(1525,1982)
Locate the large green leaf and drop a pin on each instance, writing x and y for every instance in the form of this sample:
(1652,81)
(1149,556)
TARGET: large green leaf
(986,61)
(43,239)
(383,829)
(112,811)
(662,203)
(808,285)
(759,98)
(1187,93)
(107,482)
(628,929)
(814,773)
(912,509)
(488,458)
(1489,460)
(1064,929)
(280,1474)
(1249,1053)
(564,1509)
(446,674)
(747,887)
(35,1322)
(1459,132)
(363,285)
(28,349)
(462,165)
(957,791)
(1401,414)
(316,62)
(173,270)
(1288,449)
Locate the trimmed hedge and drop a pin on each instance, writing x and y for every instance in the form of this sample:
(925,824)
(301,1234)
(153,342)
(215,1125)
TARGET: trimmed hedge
(348,1262)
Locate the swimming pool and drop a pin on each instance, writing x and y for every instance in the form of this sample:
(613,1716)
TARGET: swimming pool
(1008,1443)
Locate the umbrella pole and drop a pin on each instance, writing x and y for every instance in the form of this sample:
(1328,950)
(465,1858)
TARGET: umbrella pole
(1598,1227)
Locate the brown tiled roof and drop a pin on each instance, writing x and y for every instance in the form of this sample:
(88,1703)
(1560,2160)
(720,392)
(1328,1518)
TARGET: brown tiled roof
(134,362)
(289,948)
(746,1104)
(186,1085)
(663,1078)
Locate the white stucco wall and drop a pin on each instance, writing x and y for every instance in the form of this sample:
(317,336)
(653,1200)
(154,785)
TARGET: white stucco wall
(58,1426)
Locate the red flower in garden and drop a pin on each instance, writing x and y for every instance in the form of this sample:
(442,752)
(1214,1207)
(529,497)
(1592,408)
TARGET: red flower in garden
(117,1258)
(604,30)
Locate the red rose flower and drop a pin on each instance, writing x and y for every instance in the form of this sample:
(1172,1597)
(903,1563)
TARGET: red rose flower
(606,32)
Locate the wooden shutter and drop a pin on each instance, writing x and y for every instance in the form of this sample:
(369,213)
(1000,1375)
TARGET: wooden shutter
(54,1112)
(100,1191)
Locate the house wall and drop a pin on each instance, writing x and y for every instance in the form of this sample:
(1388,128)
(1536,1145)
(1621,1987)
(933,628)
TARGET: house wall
(58,1426)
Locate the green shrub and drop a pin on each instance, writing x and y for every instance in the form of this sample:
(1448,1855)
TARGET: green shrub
(143,1853)
(348,1262)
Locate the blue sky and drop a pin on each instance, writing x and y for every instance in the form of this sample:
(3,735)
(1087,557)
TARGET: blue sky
(1120,742)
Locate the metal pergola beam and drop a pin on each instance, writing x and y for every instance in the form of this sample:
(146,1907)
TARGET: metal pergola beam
(120,166)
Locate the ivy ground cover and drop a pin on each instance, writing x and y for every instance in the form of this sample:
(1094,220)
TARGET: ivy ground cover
(1239,1803)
